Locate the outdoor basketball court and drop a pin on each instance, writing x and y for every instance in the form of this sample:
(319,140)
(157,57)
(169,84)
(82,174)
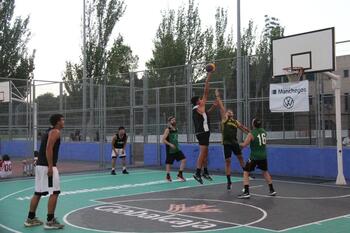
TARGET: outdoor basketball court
(144,202)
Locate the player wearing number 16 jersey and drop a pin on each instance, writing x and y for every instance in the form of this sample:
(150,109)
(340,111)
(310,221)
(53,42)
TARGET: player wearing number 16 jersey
(258,157)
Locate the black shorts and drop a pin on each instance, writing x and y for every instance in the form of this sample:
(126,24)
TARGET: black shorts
(252,164)
(229,148)
(203,138)
(171,157)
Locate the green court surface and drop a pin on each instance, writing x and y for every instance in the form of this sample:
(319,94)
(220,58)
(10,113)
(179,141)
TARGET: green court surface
(81,191)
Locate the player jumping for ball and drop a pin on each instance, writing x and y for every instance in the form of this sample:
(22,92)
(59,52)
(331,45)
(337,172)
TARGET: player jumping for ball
(173,152)
(202,129)
(258,157)
(118,149)
(229,126)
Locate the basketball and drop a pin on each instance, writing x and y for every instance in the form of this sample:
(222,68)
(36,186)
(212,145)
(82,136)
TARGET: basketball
(210,67)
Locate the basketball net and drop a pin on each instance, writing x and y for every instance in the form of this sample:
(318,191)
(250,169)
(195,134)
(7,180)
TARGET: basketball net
(294,74)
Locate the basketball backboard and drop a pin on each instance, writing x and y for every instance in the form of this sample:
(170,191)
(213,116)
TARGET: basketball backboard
(314,51)
(4,92)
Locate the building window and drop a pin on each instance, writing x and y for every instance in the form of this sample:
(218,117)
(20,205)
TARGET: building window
(310,76)
(310,100)
(328,99)
(346,73)
(346,102)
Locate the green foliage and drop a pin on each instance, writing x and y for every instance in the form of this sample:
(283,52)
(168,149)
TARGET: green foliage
(103,57)
(120,60)
(47,101)
(179,39)
(261,64)
(15,60)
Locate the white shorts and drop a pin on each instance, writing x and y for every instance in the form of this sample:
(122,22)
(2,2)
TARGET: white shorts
(43,185)
(119,153)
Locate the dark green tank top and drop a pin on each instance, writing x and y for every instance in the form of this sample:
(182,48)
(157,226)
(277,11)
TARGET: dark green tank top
(229,131)
(258,145)
(173,139)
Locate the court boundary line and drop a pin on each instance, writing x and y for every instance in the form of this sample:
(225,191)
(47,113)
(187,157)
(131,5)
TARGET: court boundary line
(233,227)
(9,229)
(152,171)
(69,180)
(65,181)
(198,199)
(301,198)
(250,226)
(305,198)
(306,183)
(159,191)
(317,222)
(63,175)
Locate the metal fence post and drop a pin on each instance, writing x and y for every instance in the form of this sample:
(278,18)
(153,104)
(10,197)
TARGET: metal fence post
(246,90)
(61,98)
(145,107)
(322,113)
(10,122)
(132,123)
(158,126)
(104,130)
(188,101)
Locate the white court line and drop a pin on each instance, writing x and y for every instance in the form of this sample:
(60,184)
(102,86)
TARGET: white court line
(304,225)
(160,191)
(65,181)
(304,198)
(220,229)
(301,198)
(14,193)
(199,199)
(176,214)
(9,229)
(65,175)
(103,176)
(306,183)
(317,222)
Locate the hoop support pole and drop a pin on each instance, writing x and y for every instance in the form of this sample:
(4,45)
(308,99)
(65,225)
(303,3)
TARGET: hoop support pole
(336,85)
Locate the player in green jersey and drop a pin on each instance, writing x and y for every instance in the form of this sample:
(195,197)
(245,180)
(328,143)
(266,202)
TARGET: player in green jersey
(229,126)
(258,157)
(173,152)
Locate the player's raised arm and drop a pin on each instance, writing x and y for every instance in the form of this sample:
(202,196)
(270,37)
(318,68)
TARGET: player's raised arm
(213,107)
(210,68)
(220,104)
(243,128)
(247,140)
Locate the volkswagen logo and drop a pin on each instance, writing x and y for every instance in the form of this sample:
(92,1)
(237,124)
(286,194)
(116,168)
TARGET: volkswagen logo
(288,102)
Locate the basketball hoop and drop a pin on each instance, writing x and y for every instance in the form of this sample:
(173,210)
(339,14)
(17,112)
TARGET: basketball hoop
(294,74)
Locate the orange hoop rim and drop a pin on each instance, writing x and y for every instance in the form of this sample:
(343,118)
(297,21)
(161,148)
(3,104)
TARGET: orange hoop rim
(294,70)
(294,74)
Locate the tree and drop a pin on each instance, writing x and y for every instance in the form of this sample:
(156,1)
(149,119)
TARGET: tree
(120,60)
(179,40)
(47,102)
(261,64)
(16,62)
(102,17)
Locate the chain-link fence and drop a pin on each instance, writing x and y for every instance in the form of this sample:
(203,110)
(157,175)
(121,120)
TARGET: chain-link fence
(142,102)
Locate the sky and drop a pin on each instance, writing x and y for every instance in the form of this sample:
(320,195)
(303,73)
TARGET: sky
(56,25)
